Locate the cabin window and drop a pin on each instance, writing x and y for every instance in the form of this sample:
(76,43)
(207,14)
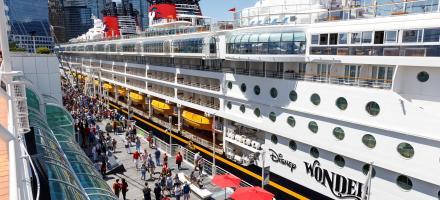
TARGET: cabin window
(369,141)
(431,35)
(257,112)
(366,169)
(291,121)
(379,37)
(391,36)
(333,38)
(313,126)
(314,152)
(315,99)
(367,37)
(372,108)
(339,161)
(404,182)
(323,39)
(292,145)
(412,36)
(341,103)
(405,150)
(342,38)
(339,133)
(315,39)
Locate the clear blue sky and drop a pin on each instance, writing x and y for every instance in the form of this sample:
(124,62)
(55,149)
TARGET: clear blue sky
(218,9)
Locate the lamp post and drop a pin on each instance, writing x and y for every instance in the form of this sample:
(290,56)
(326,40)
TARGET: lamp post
(171,138)
(213,145)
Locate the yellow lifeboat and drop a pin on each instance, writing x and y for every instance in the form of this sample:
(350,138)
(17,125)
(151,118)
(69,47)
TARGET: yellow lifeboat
(122,91)
(197,121)
(136,98)
(162,107)
(107,87)
(96,82)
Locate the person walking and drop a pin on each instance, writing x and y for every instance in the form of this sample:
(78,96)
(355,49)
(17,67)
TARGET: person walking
(147,192)
(157,156)
(177,192)
(157,191)
(143,171)
(124,188)
(150,166)
(103,169)
(200,166)
(117,187)
(136,157)
(138,144)
(196,160)
(186,190)
(179,160)
(169,185)
(165,159)
(127,145)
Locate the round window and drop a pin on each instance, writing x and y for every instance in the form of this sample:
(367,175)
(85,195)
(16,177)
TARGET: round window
(404,182)
(257,112)
(274,139)
(339,161)
(314,152)
(313,126)
(406,150)
(230,85)
(257,90)
(291,121)
(438,195)
(293,96)
(292,145)
(338,132)
(273,93)
(423,76)
(272,116)
(341,103)
(366,169)
(229,105)
(369,141)
(315,99)
(243,108)
(372,108)
(243,87)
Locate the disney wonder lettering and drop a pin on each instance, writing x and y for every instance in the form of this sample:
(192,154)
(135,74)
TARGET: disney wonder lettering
(278,158)
(339,185)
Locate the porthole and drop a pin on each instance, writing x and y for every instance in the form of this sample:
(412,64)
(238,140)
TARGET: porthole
(369,141)
(338,132)
(230,85)
(292,145)
(274,139)
(339,161)
(257,90)
(423,76)
(272,116)
(313,126)
(273,93)
(243,108)
(314,152)
(438,195)
(243,87)
(229,105)
(315,99)
(293,96)
(405,150)
(372,108)
(291,121)
(404,182)
(366,169)
(341,103)
(257,112)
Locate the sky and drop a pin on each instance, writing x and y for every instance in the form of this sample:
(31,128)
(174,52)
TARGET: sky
(218,9)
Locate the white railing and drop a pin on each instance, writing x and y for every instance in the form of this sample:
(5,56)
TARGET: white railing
(20,104)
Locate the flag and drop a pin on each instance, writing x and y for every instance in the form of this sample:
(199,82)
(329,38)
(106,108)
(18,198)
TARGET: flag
(367,185)
(232,10)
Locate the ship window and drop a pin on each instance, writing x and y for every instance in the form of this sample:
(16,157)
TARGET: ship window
(369,141)
(287,37)
(245,38)
(243,87)
(273,93)
(293,96)
(341,103)
(315,99)
(275,37)
(390,36)
(404,182)
(355,38)
(342,38)
(338,132)
(230,85)
(379,37)
(299,37)
(431,35)
(274,139)
(254,38)
(366,37)
(339,161)
(412,36)
(257,112)
(372,108)
(257,90)
(323,39)
(243,108)
(366,169)
(423,76)
(333,38)
(406,150)
(315,39)
(291,121)
(292,145)
(313,126)
(438,195)
(229,105)
(264,37)
(314,152)
(272,116)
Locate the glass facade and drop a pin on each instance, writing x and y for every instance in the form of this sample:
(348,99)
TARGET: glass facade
(193,45)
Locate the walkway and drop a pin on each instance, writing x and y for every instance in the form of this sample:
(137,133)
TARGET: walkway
(133,176)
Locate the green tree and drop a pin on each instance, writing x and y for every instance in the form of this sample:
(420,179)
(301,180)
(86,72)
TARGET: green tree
(43,50)
(13,48)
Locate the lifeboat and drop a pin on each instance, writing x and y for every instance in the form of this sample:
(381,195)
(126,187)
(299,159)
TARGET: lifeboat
(197,121)
(136,98)
(162,107)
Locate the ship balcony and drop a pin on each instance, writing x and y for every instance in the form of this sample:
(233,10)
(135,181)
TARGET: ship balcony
(167,91)
(210,102)
(106,67)
(119,79)
(136,83)
(120,69)
(135,71)
(412,50)
(106,75)
(158,75)
(199,82)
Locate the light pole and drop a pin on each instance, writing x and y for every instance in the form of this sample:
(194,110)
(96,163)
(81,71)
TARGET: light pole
(171,138)
(213,144)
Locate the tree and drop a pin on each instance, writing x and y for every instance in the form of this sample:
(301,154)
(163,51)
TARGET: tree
(43,50)
(13,48)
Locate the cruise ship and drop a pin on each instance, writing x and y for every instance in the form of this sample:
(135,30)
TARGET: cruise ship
(310,99)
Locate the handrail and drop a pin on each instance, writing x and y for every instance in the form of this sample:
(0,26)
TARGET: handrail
(34,170)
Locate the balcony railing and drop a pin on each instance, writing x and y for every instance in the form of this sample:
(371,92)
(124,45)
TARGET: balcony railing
(198,101)
(409,50)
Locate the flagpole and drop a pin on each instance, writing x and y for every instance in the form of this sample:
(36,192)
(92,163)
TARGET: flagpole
(366,190)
